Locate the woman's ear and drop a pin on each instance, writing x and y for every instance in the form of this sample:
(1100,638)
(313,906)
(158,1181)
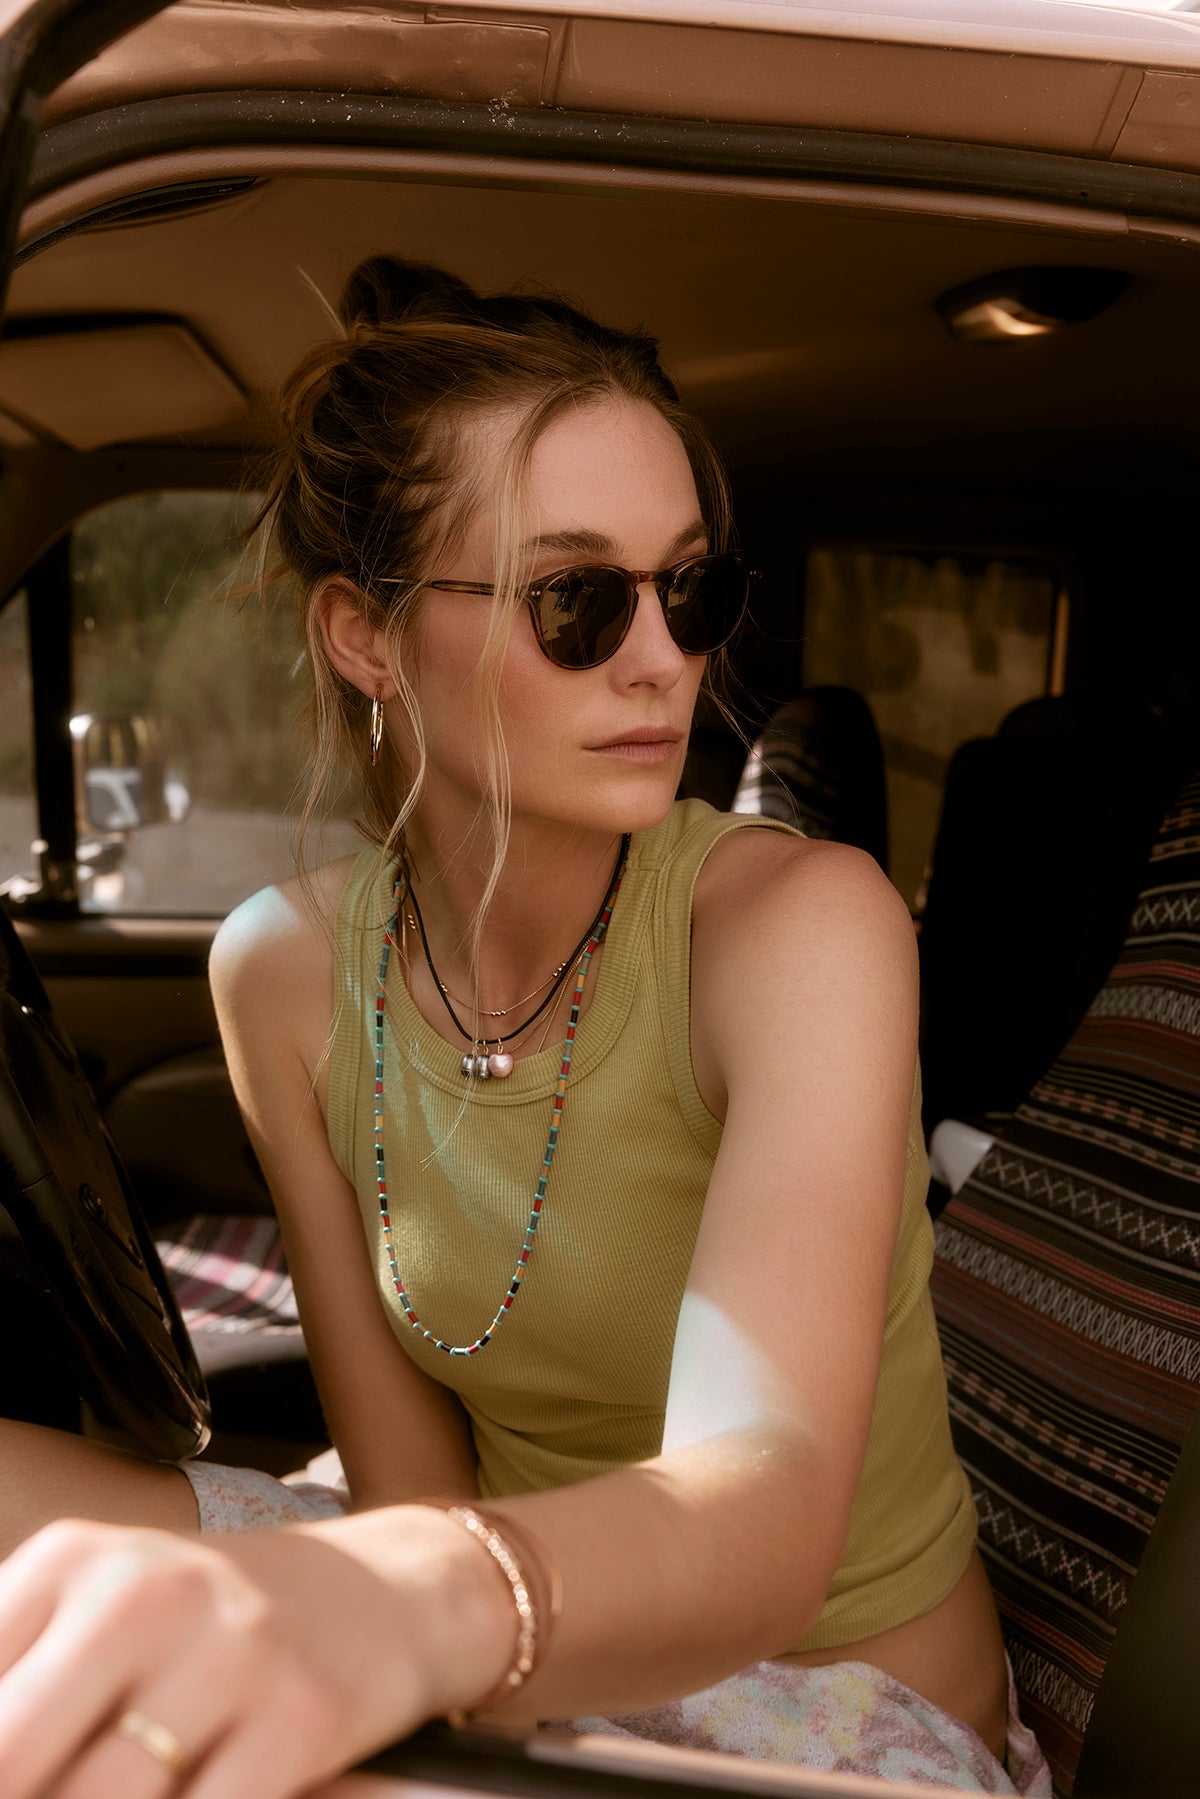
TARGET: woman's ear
(354,646)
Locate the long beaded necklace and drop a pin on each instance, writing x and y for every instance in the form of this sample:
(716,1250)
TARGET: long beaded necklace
(526,1250)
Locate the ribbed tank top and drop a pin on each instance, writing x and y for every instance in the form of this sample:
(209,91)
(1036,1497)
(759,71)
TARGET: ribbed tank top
(575,1383)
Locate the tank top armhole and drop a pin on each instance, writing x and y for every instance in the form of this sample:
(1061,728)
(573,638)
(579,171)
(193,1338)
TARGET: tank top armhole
(677,879)
(347,1039)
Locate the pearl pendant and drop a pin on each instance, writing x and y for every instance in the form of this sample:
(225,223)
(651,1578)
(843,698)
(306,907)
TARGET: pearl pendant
(481,1068)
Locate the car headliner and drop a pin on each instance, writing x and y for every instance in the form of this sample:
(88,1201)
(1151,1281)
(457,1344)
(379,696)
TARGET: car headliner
(796,310)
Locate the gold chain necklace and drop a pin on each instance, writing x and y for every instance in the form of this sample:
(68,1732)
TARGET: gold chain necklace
(499,1062)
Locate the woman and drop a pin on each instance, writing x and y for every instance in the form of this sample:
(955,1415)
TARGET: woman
(611,1102)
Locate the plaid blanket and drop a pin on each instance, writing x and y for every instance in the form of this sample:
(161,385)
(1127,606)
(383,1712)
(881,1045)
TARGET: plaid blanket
(229,1275)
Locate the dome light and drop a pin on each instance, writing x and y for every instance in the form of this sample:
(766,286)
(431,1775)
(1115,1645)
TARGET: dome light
(1023,303)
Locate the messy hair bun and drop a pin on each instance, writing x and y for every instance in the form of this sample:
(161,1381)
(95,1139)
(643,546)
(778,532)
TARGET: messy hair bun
(385,290)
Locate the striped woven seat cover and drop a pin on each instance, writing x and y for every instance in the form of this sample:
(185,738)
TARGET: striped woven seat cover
(1067,1285)
(818,765)
(788,775)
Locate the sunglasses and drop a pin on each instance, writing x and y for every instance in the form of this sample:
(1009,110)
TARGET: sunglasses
(581,616)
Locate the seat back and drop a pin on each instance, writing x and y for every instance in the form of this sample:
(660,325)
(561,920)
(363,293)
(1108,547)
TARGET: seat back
(1044,833)
(1067,1285)
(818,764)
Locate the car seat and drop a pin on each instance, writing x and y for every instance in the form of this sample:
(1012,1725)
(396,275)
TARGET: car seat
(1043,836)
(1067,1288)
(818,764)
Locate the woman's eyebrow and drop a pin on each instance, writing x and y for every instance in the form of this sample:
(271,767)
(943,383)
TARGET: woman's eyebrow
(583,543)
(694,533)
(594,543)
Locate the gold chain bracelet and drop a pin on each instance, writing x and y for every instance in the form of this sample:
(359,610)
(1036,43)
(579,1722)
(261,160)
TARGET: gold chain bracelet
(525,1654)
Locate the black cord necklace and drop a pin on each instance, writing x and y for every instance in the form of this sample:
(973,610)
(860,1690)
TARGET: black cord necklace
(479,1062)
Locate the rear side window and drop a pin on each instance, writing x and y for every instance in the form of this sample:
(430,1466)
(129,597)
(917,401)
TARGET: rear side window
(189,696)
(943,647)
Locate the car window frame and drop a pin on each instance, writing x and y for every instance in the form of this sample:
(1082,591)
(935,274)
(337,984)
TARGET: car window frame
(46,586)
(41,43)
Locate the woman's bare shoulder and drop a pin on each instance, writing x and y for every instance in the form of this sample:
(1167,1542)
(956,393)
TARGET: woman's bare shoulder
(772,911)
(754,877)
(787,929)
(280,932)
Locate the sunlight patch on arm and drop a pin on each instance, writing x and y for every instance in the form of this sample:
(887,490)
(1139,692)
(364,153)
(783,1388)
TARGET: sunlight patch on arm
(720,1380)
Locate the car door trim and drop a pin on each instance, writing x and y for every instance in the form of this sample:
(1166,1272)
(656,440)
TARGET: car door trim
(95,141)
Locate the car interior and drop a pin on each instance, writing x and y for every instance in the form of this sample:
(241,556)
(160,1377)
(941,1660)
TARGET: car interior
(940,321)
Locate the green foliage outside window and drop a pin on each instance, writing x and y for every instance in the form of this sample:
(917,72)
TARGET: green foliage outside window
(168,622)
(16,702)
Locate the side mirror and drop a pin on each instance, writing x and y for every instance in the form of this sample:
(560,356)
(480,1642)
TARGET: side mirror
(122,776)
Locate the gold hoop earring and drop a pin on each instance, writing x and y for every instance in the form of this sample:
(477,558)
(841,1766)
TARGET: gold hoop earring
(376,727)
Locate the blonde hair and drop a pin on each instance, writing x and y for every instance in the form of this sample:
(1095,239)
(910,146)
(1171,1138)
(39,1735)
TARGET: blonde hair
(380,467)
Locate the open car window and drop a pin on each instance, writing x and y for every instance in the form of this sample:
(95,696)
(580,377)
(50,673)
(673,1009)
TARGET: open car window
(189,694)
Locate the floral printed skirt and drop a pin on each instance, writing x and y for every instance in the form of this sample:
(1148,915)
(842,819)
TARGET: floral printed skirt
(244,1499)
(844,1717)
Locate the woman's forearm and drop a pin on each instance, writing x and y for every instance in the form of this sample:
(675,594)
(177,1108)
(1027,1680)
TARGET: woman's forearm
(675,1573)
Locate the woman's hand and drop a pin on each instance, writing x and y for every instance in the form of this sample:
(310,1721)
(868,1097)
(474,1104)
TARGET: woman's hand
(272,1659)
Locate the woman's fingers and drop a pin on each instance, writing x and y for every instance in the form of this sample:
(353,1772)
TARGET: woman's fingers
(134,1757)
(292,1741)
(109,1614)
(155,1740)
(253,1668)
(57,1672)
(29,1591)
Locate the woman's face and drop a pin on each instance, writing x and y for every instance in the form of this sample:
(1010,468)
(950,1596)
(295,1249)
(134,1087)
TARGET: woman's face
(602,748)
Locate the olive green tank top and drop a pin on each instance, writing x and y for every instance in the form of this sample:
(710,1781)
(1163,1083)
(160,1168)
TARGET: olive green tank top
(575,1383)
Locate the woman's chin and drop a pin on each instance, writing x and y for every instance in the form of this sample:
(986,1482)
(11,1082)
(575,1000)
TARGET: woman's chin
(640,805)
(631,799)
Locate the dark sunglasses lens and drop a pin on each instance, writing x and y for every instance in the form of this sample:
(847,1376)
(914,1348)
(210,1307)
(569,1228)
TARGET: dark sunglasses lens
(582,615)
(706,601)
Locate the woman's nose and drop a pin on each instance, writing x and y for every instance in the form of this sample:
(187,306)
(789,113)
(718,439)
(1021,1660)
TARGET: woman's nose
(649,653)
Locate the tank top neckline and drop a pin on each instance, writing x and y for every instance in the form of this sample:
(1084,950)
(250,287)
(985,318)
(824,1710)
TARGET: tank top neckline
(409,1036)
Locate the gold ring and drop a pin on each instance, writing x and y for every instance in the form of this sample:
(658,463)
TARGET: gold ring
(154,1738)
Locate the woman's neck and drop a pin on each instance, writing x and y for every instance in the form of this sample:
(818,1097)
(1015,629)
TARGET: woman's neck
(551,887)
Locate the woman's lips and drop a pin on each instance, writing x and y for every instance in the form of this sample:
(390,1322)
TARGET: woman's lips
(646,747)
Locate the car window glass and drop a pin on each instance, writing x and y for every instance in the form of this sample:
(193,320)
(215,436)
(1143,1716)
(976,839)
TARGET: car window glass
(189,696)
(18,812)
(942,646)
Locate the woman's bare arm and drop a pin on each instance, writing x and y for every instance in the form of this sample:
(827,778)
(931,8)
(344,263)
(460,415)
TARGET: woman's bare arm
(400,1435)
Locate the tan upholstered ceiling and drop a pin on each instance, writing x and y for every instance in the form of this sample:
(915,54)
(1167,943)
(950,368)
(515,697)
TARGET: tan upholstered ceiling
(125,383)
(797,314)
(794,325)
